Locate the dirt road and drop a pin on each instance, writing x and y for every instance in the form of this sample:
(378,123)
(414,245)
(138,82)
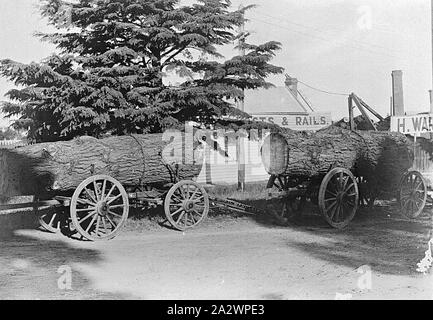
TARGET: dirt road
(226,258)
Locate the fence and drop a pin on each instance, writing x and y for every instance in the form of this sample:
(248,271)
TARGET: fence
(10,144)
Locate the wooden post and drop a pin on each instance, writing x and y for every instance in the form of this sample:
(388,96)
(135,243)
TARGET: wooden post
(431,100)
(366,106)
(364,113)
(351,123)
(397,93)
(240,140)
(241,162)
(391,107)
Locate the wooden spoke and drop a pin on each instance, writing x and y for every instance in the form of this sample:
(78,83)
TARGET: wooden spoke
(90,195)
(96,188)
(334,209)
(111,200)
(330,199)
(86,209)
(180,217)
(331,193)
(109,192)
(346,180)
(85,201)
(91,222)
(104,186)
(331,206)
(50,220)
(104,224)
(200,199)
(97,224)
(194,193)
(116,206)
(177,211)
(280,182)
(91,214)
(192,218)
(114,214)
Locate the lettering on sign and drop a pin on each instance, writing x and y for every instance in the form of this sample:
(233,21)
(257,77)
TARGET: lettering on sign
(314,121)
(420,123)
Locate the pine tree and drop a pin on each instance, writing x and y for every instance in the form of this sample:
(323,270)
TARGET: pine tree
(107,76)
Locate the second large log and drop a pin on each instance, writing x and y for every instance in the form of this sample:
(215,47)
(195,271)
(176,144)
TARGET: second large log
(380,157)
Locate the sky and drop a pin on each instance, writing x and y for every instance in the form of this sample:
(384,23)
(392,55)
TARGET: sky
(338,46)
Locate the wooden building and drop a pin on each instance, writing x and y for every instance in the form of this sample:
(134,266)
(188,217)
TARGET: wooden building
(284,106)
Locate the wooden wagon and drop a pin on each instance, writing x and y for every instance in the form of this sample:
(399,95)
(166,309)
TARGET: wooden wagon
(99,206)
(340,190)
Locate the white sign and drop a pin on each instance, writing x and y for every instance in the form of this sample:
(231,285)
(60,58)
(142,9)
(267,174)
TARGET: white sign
(312,121)
(419,123)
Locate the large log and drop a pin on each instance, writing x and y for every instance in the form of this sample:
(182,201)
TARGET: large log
(380,157)
(62,166)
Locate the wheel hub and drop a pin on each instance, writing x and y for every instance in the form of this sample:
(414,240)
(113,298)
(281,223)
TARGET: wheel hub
(340,197)
(189,206)
(102,208)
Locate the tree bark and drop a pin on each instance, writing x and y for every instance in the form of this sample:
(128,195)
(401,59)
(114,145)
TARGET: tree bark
(380,157)
(62,166)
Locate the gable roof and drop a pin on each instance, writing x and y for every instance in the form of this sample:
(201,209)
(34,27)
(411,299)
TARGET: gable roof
(276,99)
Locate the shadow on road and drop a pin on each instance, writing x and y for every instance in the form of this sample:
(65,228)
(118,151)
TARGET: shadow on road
(380,238)
(34,263)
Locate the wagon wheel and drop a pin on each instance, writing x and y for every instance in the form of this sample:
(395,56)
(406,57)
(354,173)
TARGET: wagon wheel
(279,182)
(50,220)
(412,195)
(99,208)
(288,207)
(186,205)
(367,196)
(338,197)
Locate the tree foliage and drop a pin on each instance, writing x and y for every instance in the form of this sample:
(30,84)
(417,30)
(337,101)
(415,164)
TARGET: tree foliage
(113,56)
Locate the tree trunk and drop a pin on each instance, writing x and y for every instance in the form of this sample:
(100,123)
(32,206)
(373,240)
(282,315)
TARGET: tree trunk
(62,166)
(380,157)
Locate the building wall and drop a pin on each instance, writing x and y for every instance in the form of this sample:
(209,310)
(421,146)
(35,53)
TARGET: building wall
(219,169)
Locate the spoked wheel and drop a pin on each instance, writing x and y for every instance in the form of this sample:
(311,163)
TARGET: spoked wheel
(367,195)
(186,205)
(50,220)
(99,208)
(280,183)
(339,197)
(412,195)
(287,207)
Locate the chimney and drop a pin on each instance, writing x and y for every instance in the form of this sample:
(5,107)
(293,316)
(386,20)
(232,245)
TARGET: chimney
(292,85)
(431,100)
(397,93)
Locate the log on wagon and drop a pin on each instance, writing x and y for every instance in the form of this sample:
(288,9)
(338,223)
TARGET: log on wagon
(334,164)
(132,160)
